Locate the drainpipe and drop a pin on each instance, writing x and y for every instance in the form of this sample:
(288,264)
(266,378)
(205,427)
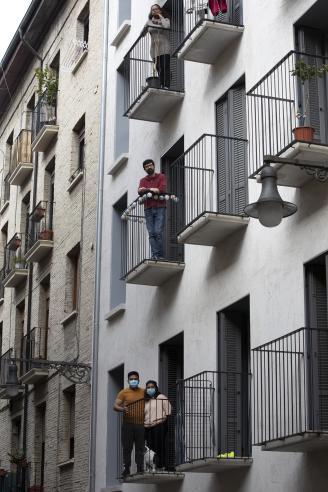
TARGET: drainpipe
(30,279)
(95,331)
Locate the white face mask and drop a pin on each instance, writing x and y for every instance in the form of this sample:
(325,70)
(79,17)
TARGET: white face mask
(133,383)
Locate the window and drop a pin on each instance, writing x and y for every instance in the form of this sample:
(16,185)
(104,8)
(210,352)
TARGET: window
(78,154)
(1,335)
(73,279)
(83,27)
(118,286)
(25,209)
(69,409)
(124,11)
(49,189)
(122,123)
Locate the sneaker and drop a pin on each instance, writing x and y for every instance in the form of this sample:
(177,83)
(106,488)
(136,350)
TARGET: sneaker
(126,472)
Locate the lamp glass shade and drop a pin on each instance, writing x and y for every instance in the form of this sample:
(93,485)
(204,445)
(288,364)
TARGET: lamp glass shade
(270,213)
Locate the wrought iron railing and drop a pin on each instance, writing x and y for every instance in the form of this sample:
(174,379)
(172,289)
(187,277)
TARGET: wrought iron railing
(5,189)
(155,419)
(136,246)
(45,113)
(4,364)
(211,176)
(213,417)
(22,150)
(33,348)
(142,69)
(281,101)
(40,223)
(14,253)
(290,386)
(192,13)
(13,481)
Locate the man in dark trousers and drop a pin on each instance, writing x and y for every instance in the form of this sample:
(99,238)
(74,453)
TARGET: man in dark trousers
(154,209)
(131,402)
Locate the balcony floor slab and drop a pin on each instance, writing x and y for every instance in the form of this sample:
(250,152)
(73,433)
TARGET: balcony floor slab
(296,175)
(4,393)
(15,277)
(208,41)
(155,104)
(22,171)
(303,443)
(35,375)
(155,478)
(215,465)
(210,228)
(39,250)
(153,272)
(44,138)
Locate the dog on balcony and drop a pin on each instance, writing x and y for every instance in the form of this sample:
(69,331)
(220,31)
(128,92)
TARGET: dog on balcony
(149,462)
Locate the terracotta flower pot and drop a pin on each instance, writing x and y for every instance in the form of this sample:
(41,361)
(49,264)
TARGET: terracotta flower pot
(3,472)
(46,235)
(304,133)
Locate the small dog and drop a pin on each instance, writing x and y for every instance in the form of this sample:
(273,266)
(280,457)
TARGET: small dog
(149,463)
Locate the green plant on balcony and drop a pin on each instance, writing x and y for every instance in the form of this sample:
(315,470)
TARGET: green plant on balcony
(306,72)
(47,84)
(18,458)
(18,262)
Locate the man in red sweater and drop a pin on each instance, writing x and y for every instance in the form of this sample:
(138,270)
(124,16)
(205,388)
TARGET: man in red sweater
(154,208)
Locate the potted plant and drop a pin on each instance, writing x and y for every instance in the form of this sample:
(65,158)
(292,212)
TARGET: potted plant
(47,88)
(18,458)
(16,242)
(306,72)
(3,472)
(46,235)
(18,262)
(153,81)
(38,213)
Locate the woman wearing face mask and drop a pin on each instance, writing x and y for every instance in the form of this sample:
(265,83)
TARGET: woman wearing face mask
(158,26)
(157,409)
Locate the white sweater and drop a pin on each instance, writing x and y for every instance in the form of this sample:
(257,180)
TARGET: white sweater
(160,36)
(157,410)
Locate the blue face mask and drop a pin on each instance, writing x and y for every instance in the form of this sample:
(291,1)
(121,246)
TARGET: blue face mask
(133,383)
(151,391)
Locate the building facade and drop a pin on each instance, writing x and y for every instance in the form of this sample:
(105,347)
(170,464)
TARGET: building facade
(50,103)
(232,322)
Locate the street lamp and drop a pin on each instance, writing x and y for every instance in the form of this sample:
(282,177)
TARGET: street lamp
(270,208)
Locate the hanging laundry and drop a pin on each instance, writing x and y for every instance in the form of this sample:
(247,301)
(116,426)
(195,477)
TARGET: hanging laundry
(214,7)
(223,6)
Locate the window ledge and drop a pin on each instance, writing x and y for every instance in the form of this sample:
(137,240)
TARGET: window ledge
(120,309)
(121,33)
(118,164)
(69,318)
(75,181)
(66,463)
(79,61)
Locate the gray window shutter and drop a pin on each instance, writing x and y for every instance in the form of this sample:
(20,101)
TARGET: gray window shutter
(313,42)
(237,14)
(222,156)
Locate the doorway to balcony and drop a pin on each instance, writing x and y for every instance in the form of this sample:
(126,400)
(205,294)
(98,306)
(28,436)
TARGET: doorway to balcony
(113,461)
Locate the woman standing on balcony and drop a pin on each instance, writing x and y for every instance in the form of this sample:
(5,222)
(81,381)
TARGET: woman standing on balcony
(157,409)
(160,48)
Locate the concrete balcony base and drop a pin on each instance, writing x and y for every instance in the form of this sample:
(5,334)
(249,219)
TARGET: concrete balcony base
(153,272)
(4,393)
(309,442)
(15,277)
(215,465)
(210,228)
(155,104)
(296,175)
(208,41)
(155,478)
(44,138)
(39,250)
(21,173)
(35,375)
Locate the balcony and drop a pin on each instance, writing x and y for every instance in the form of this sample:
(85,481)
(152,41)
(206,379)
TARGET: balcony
(5,193)
(44,124)
(213,422)
(210,180)
(290,392)
(280,103)
(206,36)
(5,361)
(138,266)
(34,351)
(21,165)
(157,464)
(40,239)
(151,93)
(15,264)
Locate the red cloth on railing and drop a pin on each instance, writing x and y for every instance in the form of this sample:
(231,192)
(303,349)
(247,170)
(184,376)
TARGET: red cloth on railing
(217,5)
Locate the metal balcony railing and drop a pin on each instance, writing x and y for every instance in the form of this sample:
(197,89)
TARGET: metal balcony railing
(40,223)
(33,346)
(156,418)
(213,417)
(22,150)
(14,253)
(13,481)
(290,386)
(4,364)
(279,102)
(5,189)
(135,240)
(211,176)
(45,113)
(192,13)
(141,72)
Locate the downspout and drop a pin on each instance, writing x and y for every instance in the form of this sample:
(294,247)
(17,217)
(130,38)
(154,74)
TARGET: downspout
(30,280)
(95,331)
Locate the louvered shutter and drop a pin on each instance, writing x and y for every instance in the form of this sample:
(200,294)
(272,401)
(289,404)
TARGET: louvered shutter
(312,42)
(230,391)
(238,161)
(318,346)
(222,156)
